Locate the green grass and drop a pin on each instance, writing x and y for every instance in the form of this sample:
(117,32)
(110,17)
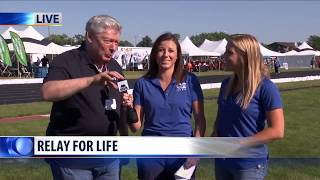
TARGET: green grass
(14,110)
(302,138)
(29,128)
(137,74)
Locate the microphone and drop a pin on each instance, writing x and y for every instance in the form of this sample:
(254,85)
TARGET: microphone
(131,112)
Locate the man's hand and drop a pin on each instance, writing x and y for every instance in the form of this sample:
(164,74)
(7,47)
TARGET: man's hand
(127,100)
(107,78)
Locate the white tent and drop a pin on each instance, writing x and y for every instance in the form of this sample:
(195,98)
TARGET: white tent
(53,48)
(190,49)
(208,45)
(214,46)
(30,32)
(302,53)
(32,48)
(6,33)
(266,52)
(304,45)
(220,47)
(291,53)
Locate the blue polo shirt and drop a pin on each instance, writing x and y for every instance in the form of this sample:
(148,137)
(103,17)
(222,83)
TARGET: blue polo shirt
(167,113)
(235,122)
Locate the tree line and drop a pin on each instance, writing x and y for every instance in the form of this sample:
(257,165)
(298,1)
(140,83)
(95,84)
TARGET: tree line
(146,41)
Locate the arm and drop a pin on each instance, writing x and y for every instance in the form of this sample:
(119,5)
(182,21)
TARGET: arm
(215,125)
(123,125)
(136,126)
(61,89)
(200,121)
(127,102)
(199,129)
(275,129)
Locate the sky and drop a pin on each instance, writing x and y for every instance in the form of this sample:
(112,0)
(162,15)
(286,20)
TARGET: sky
(270,21)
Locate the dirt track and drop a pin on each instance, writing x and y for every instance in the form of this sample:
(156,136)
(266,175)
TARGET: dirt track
(24,118)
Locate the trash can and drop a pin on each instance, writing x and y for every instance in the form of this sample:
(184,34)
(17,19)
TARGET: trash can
(40,72)
(43,72)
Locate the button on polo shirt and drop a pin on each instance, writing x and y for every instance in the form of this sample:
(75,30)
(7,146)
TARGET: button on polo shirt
(167,113)
(83,113)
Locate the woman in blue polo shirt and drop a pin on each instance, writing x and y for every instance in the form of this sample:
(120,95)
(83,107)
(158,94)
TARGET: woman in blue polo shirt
(165,99)
(247,99)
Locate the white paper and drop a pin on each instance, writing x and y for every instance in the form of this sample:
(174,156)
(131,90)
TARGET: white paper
(183,174)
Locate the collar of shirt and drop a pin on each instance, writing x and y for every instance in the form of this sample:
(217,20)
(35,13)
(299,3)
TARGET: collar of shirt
(156,82)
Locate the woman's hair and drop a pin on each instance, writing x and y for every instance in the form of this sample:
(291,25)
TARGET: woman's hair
(100,23)
(178,72)
(253,68)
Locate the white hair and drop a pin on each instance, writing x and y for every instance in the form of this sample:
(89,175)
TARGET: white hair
(100,23)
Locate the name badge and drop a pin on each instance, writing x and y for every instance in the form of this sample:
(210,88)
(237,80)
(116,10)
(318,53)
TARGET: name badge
(111,104)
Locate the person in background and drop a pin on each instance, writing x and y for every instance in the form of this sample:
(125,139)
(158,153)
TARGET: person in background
(247,100)
(276,65)
(164,99)
(44,61)
(86,101)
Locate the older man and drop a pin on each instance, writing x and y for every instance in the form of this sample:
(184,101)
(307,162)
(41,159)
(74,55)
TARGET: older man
(85,98)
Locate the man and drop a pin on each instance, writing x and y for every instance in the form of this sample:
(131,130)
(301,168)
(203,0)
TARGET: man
(85,98)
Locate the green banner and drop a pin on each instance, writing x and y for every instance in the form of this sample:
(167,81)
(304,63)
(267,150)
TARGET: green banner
(4,52)
(19,48)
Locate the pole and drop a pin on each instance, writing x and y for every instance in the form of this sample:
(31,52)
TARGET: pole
(48,31)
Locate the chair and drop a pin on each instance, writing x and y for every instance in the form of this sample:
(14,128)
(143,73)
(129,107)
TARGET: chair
(4,70)
(25,72)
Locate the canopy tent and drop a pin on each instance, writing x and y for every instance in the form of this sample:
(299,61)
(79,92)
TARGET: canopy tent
(32,48)
(266,52)
(30,32)
(291,53)
(301,58)
(53,48)
(303,53)
(220,47)
(304,45)
(190,49)
(214,46)
(208,45)
(6,33)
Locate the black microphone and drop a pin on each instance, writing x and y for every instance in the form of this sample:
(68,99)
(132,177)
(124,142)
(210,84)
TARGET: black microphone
(131,112)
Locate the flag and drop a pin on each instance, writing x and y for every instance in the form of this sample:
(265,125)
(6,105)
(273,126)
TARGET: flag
(4,52)
(19,48)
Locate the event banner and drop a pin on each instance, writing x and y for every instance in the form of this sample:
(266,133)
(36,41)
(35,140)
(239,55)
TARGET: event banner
(4,52)
(126,147)
(19,48)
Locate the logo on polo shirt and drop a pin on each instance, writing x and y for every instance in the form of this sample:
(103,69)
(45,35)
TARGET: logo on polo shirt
(182,86)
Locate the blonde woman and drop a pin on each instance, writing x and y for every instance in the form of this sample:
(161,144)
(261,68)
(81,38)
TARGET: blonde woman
(247,100)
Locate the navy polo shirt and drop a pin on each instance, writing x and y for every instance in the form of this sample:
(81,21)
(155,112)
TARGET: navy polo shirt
(167,113)
(236,122)
(83,113)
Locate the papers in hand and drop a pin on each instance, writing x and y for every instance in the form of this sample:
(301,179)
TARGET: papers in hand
(184,174)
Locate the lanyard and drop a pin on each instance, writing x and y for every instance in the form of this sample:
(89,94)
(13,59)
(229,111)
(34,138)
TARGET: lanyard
(102,69)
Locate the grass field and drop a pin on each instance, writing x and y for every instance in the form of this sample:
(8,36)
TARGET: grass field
(137,74)
(295,157)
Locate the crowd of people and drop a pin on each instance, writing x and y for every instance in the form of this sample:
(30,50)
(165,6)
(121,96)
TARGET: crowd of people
(204,65)
(80,83)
